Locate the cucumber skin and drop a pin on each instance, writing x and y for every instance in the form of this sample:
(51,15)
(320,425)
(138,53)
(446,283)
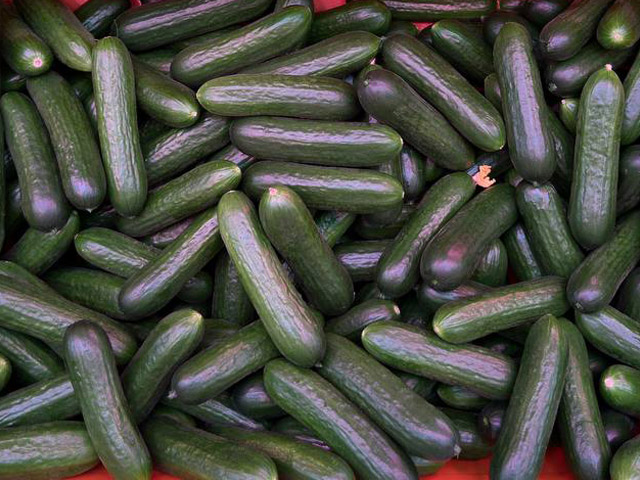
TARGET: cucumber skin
(413,350)
(631,117)
(368,16)
(159,59)
(626,461)
(522,260)
(31,360)
(436,9)
(361,258)
(250,398)
(490,420)
(94,376)
(531,413)
(492,268)
(499,309)
(594,283)
(98,15)
(568,113)
(460,397)
(431,299)
(580,423)
(474,446)
(351,323)
(230,301)
(592,204)
(294,328)
(620,25)
(166,236)
(618,428)
(628,180)
(318,405)
(493,23)
(629,295)
(619,387)
(543,11)
(232,154)
(215,413)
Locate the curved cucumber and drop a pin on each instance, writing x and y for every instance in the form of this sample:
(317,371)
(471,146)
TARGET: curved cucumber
(365,16)
(98,15)
(31,360)
(522,260)
(631,117)
(22,49)
(620,25)
(620,389)
(230,301)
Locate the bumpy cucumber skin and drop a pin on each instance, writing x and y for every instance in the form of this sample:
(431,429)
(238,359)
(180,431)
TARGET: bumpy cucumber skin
(314,402)
(625,464)
(98,15)
(294,328)
(230,301)
(631,117)
(251,398)
(620,26)
(461,398)
(368,16)
(232,154)
(629,295)
(31,360)
(521,257)
(531,413)
(620,389)
(352,322)
(166,236)
(94,377)
(436,9)
(492,268)
(361,258)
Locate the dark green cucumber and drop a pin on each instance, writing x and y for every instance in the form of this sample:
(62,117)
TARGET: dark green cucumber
(596,280)
(612,332)
(31,360)
(290,228)
(159,59)
(155,284)
(367,15)
(500,344)
(266,38)
(37,251)
(149,372)
(618,427)
(473,445)
(332,225)
(361,258)
(432,299)
(464,48)
(490,420)
(542,12)
(217,368)
(334,57)
(94,376)
(598,363)
(568,113)
(216,330)
(398,27)
(460,398)
(628,300)
(492,268)
(492,24)
(70,41)
(492,90)
(251,398)
(72,138)
(628,180)
(50,450)
(414,350)
(580,423)
(98,15)
(523,105)
(282,95)
(232,154)
(422,386)
(192,453)
(216,413)
(162,411)
(413,169)
(192,192)
(453,253)
(22,49)
(174,151)
(165,22)
(293,428)
(230,301)
(367,228)
(81,84)
(620,389)
(351,323)
(398,268)
(440,84)
(166,236)
(499,309)
(631,117)
(314,402)
(522,260)
(14,220)
(431,10)
(570,30)
(280,4)
(531,412)
(11,81)
(625,464)
(200,39)
(326,188)
(115,99)
(42,199)
(543,213)
(45,401)
(5,371)
(620,26)
(567,78)
(516,6)
(321,142)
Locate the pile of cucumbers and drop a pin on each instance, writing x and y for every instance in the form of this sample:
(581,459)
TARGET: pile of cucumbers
(240,239)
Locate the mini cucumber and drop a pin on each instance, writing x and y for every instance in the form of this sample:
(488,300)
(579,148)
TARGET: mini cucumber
(426,11)
(460,398)
(568,113)
(232,154)
(492,268)
(432,299)
(98,15)
(365,16)
(542,12)
(618,428)
(474,446)
(31,360)
(291,230)
(414,350)
(361,258)
(215,413)
(626,461)
(620,26)
(620,389)
(251,398)
(351,323)
(628,301)
(230,301)
(522,260)
(631,117)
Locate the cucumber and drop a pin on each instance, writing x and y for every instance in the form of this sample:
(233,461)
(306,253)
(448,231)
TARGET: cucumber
(398,269)
(620,26)
(523,105)
(334,57)
(291,230)
(368,229)
(45,401)
(282,95)
(620,389)
(531,412)
(166,236)
(192,192)
(452,254)
(422,386)
(592,204)
(442,86)
(542,12)
(14,219)
(293,428)
(162,411)
(280,4)
(464,48)
(98,15)
(333,225)
(50,450)
(580,423)
(94,376)
(155,285)
(570,30)
(361,258)
(413,171)
(618,428)
(189,452)
(628,180)
(174,151)
(490,420)
(215,413)
(492,24)
(149,372)
(114,93)
(72,138)
(594,283)
(37,251)
(492,90)
(315,403)
(516,6)
(5,371)
(232,154)
(391,100)
(266,38)
(42,201)
(612,332)
(431,10)
(460,398)
(631,117)
(200,39)
(70,41)
(216,330)
(321,142)
(492,268)
(230,301)
(628,301)
(351,323)
(164,99)
(500,344)
(160,59)
(626,461)
(522,260)
(326,188)
(251,398)
(31,360)
(366,15)
(568,113)
(432,299)
(474,446)
(499,309)
(81,84)
(543,213)
(398,27)
(22,49)
(414,350)
(11,81)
